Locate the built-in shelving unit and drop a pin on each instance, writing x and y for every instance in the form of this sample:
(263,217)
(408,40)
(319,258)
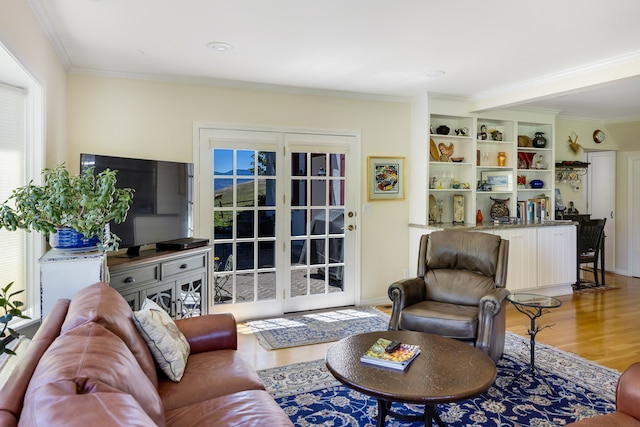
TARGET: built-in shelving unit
(480,139)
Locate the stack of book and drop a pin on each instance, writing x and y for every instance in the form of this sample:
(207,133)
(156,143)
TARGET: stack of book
(399,358)
(534,210)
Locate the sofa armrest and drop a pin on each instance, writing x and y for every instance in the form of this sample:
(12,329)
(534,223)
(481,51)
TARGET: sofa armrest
(210,332)
(404,293)
(628,391)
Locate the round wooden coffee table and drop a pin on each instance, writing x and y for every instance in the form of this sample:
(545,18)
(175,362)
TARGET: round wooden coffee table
(445,371)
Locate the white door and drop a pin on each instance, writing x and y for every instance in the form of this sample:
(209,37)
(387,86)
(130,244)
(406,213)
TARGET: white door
(278,210)
(601,197)
(634,216)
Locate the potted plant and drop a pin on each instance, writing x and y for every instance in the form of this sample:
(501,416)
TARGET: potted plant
(66,203)
(11,309)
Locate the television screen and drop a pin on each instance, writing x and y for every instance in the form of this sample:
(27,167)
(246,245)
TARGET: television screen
(162,208)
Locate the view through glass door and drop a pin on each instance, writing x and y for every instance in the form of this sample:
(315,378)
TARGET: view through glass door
(278,204)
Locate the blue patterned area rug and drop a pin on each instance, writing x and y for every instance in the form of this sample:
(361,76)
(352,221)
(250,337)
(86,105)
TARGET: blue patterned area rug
(311,396)
(316,327)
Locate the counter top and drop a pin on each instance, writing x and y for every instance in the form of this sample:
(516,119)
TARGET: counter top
(490,225)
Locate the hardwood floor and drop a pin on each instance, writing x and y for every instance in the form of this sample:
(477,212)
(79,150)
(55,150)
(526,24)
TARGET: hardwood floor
(602,327)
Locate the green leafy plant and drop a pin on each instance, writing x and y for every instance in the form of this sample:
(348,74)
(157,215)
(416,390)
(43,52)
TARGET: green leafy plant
(11,309)
(86,202)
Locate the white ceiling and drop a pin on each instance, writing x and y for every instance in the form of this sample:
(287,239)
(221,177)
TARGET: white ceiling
(497,52)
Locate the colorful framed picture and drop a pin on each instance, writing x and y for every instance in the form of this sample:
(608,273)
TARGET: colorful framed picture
(385,178)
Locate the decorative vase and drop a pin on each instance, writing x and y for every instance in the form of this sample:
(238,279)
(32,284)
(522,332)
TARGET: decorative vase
(66,238)
(540,163)
(502,158)
(539,141)
(479,217)
(442,130)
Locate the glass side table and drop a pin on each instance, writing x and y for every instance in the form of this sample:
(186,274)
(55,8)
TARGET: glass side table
(533,306)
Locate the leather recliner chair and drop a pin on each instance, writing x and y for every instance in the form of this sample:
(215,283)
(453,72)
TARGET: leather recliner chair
(627,411)
(459,291)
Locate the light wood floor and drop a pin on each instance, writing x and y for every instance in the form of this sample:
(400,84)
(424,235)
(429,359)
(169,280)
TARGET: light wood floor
(602,327)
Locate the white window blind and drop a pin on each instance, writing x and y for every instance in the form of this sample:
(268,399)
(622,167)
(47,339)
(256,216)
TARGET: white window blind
(13,244)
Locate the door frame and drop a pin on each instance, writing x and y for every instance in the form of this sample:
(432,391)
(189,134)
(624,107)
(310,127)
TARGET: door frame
(610,241)
(269,308)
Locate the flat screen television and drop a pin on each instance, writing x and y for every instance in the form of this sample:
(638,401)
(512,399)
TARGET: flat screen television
(162,208)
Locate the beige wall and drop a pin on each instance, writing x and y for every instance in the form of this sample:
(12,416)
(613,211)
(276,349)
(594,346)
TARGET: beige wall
(22,35)
(150,119)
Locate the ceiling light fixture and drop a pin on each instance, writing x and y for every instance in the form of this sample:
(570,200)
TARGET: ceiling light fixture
(219,46)
(435,74)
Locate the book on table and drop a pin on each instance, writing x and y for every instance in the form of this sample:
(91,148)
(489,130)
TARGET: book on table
(399,358)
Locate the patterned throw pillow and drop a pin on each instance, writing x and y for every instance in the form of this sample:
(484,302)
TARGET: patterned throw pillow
(167,344)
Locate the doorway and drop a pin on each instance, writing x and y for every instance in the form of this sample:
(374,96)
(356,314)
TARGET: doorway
(601,198)
(280,210)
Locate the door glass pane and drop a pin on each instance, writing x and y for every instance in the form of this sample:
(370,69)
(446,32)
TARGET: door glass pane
(298,164)
(266,285)
(245,192)
(244,185)
(318,221)
(322,256)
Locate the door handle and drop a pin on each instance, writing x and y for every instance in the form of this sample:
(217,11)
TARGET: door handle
(611,214)
(351,227)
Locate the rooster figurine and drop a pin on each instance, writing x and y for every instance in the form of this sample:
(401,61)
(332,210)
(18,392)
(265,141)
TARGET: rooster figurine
(445,151)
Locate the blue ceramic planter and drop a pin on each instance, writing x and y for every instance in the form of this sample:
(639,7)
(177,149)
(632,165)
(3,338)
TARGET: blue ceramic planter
(68,238)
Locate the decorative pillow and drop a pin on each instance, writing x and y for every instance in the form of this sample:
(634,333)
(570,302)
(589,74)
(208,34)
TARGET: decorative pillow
(167,344)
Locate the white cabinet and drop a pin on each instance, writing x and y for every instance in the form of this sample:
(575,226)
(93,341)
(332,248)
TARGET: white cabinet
(522,272)
(63,274)
(557,255)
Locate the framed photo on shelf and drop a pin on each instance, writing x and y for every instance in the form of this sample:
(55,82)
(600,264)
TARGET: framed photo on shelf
(385,178)
(498,180)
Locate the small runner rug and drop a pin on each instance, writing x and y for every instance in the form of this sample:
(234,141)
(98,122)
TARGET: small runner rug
(317,327)
(312,397)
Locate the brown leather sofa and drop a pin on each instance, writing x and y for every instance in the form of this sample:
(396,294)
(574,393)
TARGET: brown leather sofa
(459,291)
(627,411)
(88,366)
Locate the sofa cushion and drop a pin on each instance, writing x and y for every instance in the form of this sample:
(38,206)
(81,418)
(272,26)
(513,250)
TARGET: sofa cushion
(167,344)
(247,408)
(102,304)
(56,401)
(209,375)
(91,359)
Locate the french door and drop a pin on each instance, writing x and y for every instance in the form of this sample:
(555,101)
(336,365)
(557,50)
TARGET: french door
(279,208)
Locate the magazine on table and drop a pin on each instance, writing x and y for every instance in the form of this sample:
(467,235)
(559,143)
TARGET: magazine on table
(399,358)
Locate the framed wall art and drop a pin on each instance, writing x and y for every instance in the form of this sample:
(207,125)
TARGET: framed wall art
(498,180)
(385,177)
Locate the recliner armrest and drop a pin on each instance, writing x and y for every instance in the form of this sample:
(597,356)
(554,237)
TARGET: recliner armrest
(491,303)
(210,332)
(404,293)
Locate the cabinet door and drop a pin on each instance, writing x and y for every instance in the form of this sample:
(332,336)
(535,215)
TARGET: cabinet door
(191,296)
(163,294)
(132,298)
(556,255)
(523,263)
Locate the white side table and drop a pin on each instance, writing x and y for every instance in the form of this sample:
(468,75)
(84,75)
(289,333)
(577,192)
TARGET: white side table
(62,274)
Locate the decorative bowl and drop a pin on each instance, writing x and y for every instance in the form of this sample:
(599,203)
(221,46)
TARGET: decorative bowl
(457,159)
(536,183)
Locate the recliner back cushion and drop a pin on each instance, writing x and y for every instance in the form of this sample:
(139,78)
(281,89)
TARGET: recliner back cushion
(463,250)
(91,359)
(461,266)
(103,305)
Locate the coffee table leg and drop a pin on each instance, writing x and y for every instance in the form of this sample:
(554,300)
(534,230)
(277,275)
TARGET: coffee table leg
(383,409)
(430,415)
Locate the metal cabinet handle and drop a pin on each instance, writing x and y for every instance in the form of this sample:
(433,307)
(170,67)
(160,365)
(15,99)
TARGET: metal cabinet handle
(130,280)
(183,266)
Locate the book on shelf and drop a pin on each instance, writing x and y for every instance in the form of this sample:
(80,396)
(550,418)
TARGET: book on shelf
(400,358)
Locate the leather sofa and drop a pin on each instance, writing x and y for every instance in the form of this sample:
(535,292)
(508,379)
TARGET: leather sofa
(89,366)
(627,411)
